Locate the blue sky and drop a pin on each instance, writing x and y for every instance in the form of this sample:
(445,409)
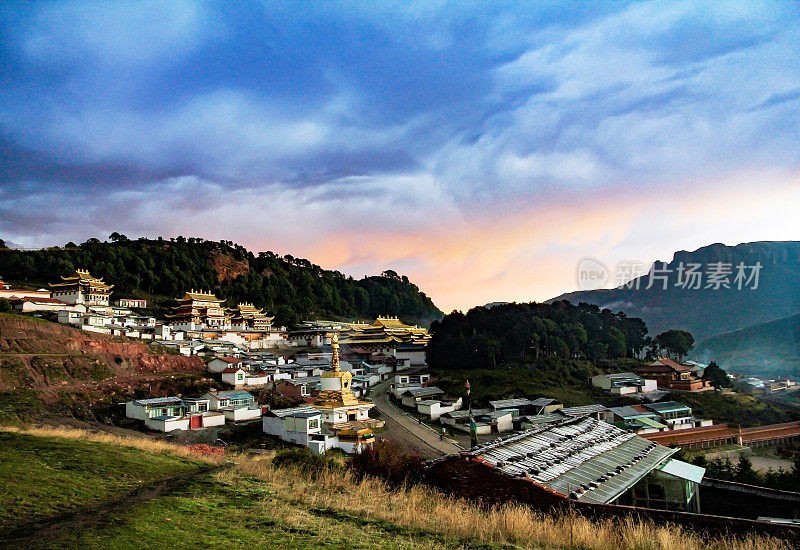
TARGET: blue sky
(482,149)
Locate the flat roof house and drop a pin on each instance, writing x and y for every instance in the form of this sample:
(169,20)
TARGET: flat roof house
(676,415)
(410,396)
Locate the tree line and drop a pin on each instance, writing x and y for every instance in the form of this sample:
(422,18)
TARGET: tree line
(163,269)
(520,333)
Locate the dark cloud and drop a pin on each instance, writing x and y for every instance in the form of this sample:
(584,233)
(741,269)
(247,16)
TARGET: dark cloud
(477,103)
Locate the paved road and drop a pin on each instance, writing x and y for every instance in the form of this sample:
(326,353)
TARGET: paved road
(407,429)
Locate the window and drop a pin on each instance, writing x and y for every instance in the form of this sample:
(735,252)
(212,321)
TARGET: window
(313,424)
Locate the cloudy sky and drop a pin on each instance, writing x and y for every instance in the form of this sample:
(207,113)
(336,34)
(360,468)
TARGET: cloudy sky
(482,149)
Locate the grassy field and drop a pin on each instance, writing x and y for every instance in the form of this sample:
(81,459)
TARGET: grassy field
(44,476)
(255,503)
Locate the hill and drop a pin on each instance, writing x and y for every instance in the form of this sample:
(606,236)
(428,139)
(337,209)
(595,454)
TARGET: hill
(111,492)
(162,270)
(708,311)
(51,369)
(771,349)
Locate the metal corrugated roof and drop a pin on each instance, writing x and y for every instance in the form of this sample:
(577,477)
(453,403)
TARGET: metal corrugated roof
(586,409)
(510,403)
(296,411)
(667,406)
(159,400)
(582,457)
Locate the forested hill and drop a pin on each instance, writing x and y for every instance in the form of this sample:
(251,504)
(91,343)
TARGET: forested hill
(162,270)
(514,334)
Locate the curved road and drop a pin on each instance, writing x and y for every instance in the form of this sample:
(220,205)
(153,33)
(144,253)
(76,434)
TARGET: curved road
(408,430)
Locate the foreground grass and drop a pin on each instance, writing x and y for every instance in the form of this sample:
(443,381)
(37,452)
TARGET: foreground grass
(44,476)
(235,511)
(257,504)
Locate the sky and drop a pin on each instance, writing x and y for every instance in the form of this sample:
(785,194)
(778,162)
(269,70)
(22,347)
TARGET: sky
(482,149)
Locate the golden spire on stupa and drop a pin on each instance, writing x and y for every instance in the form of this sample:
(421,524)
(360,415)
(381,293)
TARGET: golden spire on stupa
(335,384)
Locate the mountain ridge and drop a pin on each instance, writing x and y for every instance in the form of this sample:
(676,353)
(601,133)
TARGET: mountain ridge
(707,311)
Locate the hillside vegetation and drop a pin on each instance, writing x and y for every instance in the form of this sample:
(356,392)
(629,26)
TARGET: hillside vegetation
(257,503)
(162,270)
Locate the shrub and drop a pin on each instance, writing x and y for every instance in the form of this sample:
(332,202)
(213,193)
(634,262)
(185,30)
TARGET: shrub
(389,461)
(303,459)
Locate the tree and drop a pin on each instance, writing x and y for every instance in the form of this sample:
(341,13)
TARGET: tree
(118,237)
(677,343)
(5,305)
(3,244)
(744,472)
(717,376)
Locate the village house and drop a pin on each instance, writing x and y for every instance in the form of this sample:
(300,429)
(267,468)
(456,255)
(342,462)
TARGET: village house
(236,405)
(673,376)
(30,304)
(637,419)
(676,415)
(166,414)
(578,459)
(298,388)
(411,354)
(624,383)
(435,408)
(410,396)
(486,421)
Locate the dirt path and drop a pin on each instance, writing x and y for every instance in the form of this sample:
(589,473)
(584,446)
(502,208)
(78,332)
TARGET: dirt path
(34,534)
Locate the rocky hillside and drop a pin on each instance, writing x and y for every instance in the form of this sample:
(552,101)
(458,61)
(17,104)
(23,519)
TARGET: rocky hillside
(708,311)
(162,270)
(50,368)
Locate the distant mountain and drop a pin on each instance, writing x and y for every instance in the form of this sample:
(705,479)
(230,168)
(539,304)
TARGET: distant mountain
(163,269)
(708,311)
(771,348)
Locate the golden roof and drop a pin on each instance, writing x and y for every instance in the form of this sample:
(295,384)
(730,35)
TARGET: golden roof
(200,296)
(247,310)
(83,277)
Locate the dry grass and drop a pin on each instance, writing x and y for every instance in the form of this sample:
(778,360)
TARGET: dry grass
(142,443)
(422,508)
